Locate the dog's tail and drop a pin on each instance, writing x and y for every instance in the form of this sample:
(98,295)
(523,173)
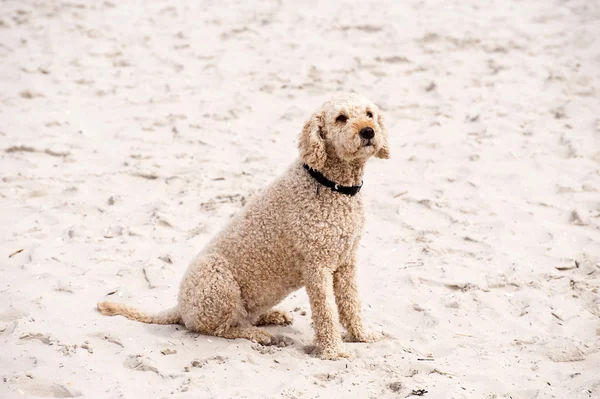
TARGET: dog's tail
(170,316)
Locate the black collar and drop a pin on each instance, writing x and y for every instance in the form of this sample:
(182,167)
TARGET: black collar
(318,176)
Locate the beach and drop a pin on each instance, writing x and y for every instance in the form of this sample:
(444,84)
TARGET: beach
(131,132)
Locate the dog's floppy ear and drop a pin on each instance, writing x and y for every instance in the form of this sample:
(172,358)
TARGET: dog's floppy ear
(384,152)
(311,142)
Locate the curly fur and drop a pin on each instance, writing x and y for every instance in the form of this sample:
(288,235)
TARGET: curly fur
(290,236)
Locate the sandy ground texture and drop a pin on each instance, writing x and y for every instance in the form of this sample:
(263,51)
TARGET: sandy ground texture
(131,131)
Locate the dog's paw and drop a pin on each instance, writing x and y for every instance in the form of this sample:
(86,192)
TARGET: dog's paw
(285,319)
(275,317)
(334,353)
(331,352)
(363,337)
(263,338)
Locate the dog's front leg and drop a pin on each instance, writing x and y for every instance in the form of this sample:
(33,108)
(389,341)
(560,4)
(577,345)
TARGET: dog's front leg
(348,304)
(327,337)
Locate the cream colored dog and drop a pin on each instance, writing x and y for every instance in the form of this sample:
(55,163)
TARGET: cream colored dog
(302,231)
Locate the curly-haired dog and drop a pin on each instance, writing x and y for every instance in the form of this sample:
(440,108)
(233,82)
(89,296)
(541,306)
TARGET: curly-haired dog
(302,231)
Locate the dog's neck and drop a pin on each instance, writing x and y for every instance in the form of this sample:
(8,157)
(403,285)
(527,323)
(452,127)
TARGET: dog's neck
(343,172)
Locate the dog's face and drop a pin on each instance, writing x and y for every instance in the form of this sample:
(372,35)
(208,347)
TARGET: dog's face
(349,126)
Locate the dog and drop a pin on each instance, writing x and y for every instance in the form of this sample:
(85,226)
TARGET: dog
(303,230)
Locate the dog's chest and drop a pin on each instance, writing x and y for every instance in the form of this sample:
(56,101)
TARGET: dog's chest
(344,229)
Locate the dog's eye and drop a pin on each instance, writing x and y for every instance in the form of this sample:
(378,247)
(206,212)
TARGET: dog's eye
(370,114)
(341,118)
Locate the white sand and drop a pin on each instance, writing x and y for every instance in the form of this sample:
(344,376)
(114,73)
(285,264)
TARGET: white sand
(148,124)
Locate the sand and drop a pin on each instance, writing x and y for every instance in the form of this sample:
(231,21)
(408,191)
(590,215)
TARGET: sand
(132,131)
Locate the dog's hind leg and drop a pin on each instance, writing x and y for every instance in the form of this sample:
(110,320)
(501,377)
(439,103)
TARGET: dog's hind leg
(209,298)
(210,302)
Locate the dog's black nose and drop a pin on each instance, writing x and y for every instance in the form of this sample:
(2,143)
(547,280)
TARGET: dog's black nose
(367,133)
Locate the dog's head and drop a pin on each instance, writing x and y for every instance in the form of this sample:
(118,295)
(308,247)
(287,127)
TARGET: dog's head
(348,126)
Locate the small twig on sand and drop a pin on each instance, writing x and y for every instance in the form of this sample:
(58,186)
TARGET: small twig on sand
(436,371)
(572,265)
(20,148)
(113,340)
(150,285)
(417,392)
(24,148)
(16,252)
(426,359)
(557,316)
(56,153)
